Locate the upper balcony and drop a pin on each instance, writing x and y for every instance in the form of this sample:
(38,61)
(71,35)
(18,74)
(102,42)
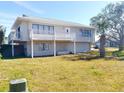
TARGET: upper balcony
(50,37)
(57,37)
(12,36)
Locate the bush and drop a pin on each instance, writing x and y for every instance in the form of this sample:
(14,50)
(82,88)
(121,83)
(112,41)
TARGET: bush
(108,53)
(118,53)
(1,56)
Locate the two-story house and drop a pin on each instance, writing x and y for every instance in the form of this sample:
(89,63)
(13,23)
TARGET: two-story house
(42,36)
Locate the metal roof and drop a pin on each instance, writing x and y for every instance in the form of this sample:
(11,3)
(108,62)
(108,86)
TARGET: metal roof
(50,22)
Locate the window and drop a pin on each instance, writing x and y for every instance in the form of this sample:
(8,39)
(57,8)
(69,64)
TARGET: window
(85,33)
(46,28)
(88,34)
(51,29)
(18,33)
(35,28)
(42,29)
(44,46)
(67,30)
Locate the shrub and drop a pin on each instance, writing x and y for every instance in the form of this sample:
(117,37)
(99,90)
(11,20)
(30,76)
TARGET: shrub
(118,53)
(1,56)
(108,53)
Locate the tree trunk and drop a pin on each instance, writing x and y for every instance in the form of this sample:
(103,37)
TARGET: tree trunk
(102,45)
(1,37)
(121,44)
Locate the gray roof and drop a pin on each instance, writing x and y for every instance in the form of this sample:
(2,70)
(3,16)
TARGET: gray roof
(50,21)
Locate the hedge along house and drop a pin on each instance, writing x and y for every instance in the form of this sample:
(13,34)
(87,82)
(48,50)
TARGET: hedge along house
(43,37)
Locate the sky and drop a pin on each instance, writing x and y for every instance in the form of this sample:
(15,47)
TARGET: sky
(75,11)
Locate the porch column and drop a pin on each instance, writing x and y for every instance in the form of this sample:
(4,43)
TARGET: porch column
(13,36)
(54,43)
(74,37)
(32,51)
(32,47)
(74,47)
(54,47)
(12,48)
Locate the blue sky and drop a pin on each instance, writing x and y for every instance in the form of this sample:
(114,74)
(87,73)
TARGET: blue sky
(75,11)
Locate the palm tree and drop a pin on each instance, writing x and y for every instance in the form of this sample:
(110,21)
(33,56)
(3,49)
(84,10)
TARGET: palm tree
(2,34)
(101,25)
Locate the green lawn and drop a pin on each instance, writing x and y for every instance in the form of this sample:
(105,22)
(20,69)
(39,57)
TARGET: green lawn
(64,73)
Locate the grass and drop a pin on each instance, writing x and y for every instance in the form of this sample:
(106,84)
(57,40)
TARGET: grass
(64,73)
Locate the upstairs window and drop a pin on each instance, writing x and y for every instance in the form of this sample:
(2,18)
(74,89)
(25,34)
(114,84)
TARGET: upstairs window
(51,29)
(35,28)
(18,33)
(46,28)
(67,30)
(85,33)
(42,29)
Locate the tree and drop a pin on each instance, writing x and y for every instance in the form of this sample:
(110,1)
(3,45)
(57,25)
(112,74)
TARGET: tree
(101,24)
(114,13)
(2,34)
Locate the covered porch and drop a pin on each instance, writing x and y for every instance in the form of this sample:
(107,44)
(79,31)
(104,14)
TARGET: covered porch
(44,48)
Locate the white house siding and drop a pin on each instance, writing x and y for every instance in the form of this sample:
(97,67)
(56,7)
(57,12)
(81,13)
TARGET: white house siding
(82,47)
(59,30)
(60,46)
(38,50)
(24,31)
(65,46)
(28,45)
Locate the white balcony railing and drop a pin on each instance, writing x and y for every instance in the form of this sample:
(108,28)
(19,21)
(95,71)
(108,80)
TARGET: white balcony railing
(12,36)
(68,37)
(52,37)
(60,37)
(64,37)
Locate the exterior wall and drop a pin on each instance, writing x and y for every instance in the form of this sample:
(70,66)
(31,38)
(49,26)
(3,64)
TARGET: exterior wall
(60,47)
(60,30)
(80,38)
(37,49)
(65,46)
(24,31)
(82,43)
(82,47)
(28,45)
(26,27)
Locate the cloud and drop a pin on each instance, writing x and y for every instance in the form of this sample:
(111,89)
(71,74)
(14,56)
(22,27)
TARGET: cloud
(7,18)
(29,7)
(7,15)
(5,21)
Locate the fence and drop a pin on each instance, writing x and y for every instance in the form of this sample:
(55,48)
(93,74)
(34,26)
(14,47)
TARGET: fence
(6,50)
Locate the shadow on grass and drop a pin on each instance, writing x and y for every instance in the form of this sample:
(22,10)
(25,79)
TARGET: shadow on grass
(120,58)
(9,58)
(80,57)
(23,57)
(87,58)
